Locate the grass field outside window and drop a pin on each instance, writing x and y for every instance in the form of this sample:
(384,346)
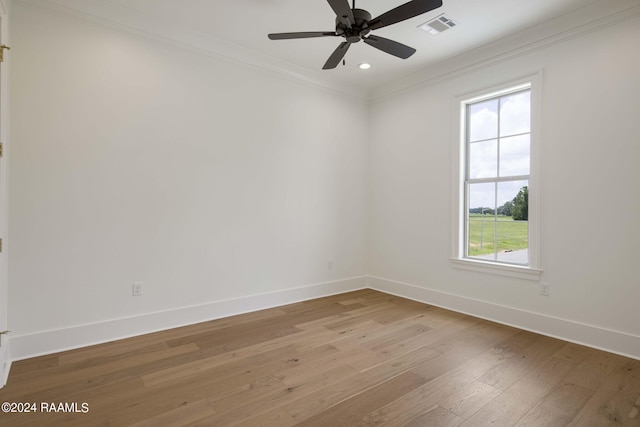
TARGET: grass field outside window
(488,231)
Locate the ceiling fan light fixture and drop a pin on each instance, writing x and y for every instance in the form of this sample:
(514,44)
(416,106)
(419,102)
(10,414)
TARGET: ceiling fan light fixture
(364,66)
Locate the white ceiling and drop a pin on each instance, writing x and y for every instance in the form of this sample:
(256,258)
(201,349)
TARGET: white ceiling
(241,26)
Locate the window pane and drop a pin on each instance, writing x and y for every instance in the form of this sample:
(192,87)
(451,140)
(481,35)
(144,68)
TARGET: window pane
(514,156)
(483,159)
(513,241)
(512,226)
(512,200)
(481,236)
(482,198)
(481,219)
(515,114)
(483,120)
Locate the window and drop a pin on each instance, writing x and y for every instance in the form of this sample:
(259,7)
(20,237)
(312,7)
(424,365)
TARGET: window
(496,155)
(498,133)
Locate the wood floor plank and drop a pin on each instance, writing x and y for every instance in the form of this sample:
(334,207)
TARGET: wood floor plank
(465,345)
(507,408)
(401,311)
(53,383)
(254,401)
(615,401)
(575,353)
(395,336)
(212,359)
(276,417)
(363,314)
(179,416)
(435,417)
(333,394)
(520,363)
(469,398)
(357,316)
(352,410)
(103,353)
(29,366)
(449,373)
(359,358)
(558,407)
(449,386)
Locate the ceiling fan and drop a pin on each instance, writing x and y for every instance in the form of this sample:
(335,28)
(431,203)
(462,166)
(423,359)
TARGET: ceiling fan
(355,24)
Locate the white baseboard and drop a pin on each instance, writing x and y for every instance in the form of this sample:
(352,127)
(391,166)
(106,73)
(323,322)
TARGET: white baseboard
(5,360)
(617,342)
(5,377)
(47,342)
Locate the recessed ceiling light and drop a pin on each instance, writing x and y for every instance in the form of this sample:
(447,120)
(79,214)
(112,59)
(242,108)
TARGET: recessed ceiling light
(364,66)
(437,25)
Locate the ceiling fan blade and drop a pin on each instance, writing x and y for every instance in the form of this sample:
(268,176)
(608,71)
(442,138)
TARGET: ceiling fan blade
(405,11)
(336,56)
(343,11)
(389,46)
(301,35)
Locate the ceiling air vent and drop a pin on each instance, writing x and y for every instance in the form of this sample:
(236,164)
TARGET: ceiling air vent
(437,25)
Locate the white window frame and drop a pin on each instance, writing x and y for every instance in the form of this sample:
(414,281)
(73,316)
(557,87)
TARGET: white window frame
(533,270)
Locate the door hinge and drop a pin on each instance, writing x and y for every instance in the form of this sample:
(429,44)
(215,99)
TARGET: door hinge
(0,245)
(1,149)
(2,48)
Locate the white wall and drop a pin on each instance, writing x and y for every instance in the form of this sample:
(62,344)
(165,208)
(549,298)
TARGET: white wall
(5,356)
(134,160)
(590,176)
(225,188)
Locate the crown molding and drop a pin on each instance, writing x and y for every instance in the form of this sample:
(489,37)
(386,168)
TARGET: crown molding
(132,21)
(563,28)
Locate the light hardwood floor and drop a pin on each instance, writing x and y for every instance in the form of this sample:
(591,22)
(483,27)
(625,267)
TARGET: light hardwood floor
(360,358)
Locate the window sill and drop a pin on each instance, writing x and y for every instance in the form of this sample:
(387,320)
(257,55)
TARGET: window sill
(519,272)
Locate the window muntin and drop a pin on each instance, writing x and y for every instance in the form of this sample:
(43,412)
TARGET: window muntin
(498,162)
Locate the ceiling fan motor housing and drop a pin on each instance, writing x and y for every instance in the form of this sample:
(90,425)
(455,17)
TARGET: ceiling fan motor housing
(356,32)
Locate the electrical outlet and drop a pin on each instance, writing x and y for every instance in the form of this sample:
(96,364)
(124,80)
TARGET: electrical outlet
(545,288)
(330,265)
(137,289)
